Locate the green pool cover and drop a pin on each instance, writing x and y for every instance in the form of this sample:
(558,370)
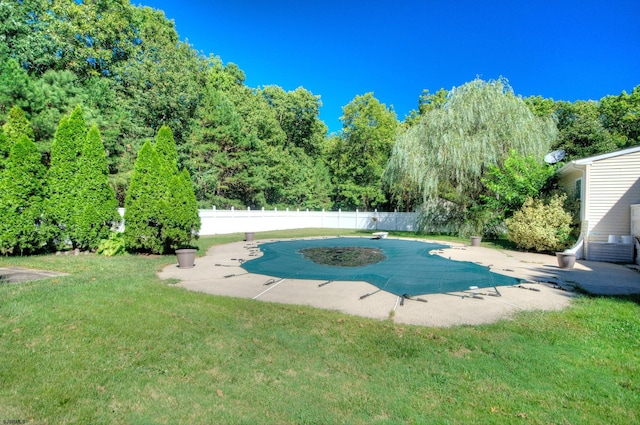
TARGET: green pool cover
(408,270)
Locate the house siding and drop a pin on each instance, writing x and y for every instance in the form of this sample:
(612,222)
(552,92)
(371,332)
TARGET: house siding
(568,182)
(613,185)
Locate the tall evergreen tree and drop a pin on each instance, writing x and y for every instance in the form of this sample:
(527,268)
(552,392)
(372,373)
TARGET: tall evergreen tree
(17,125)
(16,87)
(22,192)
(217,150)
(181,220)
(63,194)
(143,216)
(161,210)
(96,209)
(166,148)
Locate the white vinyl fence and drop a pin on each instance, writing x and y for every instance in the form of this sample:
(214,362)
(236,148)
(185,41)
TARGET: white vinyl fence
(217,222)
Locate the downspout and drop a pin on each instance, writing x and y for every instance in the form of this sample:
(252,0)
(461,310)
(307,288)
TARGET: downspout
(578,247)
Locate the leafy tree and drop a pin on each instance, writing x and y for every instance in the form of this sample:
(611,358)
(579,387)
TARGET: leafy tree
(94,35)
(30,30)
(296,179)
(520,177)
(358,160)
(539,225)
(160,82)
(426,102)
(63,192)
(447,153)
(297,113)
(268,154)
(621,116)
(57,93)
(96,208)
(22,192)
(541,107)
(581,132)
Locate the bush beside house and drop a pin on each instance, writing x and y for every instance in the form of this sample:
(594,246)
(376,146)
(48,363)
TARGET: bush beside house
(541,226)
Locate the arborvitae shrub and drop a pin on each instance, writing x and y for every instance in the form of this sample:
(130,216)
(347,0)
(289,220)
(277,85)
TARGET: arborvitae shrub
(96,209)
(63,193)
(166,148)
(161,210)
(17,125)
(181,219)
(143,216)
(22,192)
(541,226)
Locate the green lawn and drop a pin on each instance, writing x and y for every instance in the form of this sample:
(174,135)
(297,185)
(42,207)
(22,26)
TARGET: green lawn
(113,344)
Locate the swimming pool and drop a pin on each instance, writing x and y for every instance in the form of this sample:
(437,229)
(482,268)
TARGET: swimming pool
(410,267)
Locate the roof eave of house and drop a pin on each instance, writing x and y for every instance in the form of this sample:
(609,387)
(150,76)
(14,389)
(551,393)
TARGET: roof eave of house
(590,160)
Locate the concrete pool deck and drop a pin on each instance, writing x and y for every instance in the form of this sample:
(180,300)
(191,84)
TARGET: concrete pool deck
(545,286)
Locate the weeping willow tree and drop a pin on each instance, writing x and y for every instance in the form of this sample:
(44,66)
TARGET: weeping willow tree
(445,155)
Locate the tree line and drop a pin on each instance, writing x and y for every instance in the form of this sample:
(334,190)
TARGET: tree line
(266,147)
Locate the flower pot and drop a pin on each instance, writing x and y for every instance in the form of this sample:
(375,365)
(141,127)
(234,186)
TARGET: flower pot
(249,236)
(566,260)
(186,257)
(475,240)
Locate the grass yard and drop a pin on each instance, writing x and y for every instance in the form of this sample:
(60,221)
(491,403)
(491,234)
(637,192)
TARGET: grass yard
(113,344)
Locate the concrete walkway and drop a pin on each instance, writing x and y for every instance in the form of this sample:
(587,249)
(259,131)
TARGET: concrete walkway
(545,286)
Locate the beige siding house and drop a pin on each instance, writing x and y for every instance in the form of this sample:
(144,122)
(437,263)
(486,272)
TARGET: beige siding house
(607,186)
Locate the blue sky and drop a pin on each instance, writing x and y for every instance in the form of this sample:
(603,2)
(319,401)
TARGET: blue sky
(565,50)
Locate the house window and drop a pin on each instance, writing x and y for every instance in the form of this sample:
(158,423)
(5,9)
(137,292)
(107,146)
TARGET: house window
(578,189)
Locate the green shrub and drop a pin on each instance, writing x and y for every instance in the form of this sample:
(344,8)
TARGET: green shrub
(161,210)
(17,125)
(143,215)
(96,209)
(60,207)
(541,226)
(181,220)
(22,193)
(511,184)
(113,245)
